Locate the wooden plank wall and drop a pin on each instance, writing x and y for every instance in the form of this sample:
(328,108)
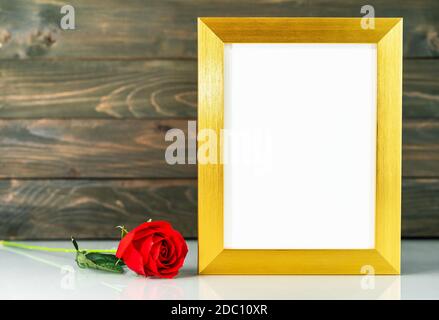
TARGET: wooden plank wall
(83,112)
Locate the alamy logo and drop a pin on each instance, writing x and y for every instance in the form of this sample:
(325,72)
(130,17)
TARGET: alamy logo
(68,20)
(368,20)
(368,280)
(247,149)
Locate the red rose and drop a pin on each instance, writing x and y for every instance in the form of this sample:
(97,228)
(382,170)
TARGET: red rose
(153,249)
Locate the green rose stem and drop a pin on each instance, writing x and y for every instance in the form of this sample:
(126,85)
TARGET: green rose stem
(48,249)
(28,255)
(99,259)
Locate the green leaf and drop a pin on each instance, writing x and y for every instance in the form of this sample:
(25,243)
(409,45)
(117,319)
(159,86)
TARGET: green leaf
(96,260)
(99,261)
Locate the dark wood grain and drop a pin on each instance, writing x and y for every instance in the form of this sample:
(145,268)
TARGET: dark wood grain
(420,208)
(58,209)
(421,89)
(148,89)
(91,149)
(136,149)
(421,148)
(98,89)
(167,28)
(69,164)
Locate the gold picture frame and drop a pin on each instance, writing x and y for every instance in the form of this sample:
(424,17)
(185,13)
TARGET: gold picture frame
(213,33)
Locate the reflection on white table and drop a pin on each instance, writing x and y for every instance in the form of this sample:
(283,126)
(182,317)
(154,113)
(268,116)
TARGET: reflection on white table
(39,275)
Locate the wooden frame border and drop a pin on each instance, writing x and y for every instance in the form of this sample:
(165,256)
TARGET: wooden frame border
(213,33)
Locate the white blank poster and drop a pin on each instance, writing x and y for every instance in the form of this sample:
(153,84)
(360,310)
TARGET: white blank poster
(300,146)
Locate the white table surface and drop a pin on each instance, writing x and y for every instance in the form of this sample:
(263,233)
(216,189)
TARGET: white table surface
(38,275)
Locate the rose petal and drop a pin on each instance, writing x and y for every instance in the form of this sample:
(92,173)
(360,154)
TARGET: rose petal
(134,260)
(148,228)
(154,249)
(124,244)
(149,264)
